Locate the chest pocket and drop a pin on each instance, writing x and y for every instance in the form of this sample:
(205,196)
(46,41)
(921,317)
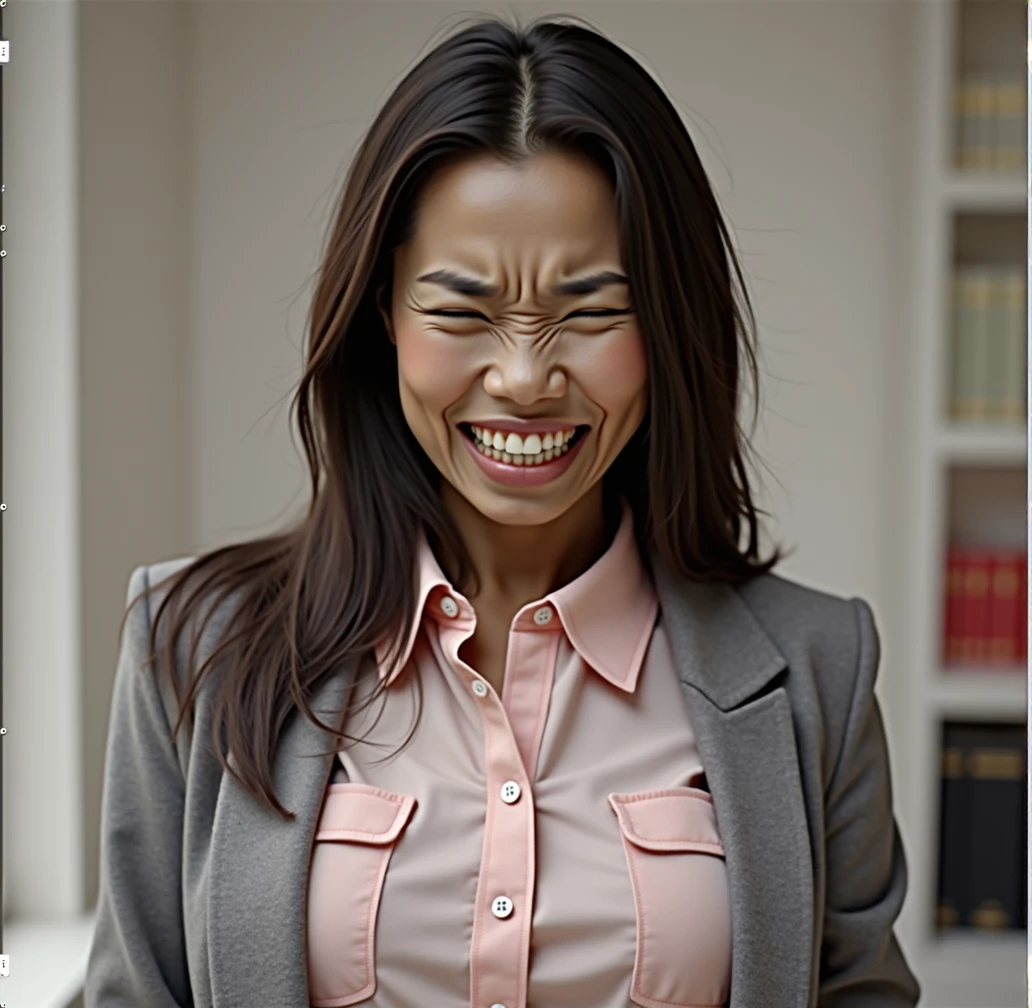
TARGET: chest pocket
(681,901)
(358,829)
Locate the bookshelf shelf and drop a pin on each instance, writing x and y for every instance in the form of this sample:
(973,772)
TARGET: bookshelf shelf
(984,969)
(989,695)
(967,190)
(960,444)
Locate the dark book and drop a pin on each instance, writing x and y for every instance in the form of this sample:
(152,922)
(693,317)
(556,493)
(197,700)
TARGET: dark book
(994,761)
(954,834)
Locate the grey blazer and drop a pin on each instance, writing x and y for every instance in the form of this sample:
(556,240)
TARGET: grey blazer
(202,898)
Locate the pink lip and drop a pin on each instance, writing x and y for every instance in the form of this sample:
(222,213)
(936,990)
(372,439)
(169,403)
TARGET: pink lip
(513,475)
(542,426)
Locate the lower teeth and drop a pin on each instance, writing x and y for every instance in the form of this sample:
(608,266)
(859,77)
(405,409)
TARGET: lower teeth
(522,460)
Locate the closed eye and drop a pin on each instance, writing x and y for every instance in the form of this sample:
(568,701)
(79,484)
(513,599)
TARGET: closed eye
(583,313)
(447,313)
(599,312)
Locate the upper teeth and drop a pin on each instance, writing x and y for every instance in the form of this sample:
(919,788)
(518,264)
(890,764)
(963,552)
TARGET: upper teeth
(532,444)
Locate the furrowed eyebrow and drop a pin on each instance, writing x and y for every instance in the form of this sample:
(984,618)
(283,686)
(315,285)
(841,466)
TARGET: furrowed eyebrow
(458,283)
(472,287)
(590,284)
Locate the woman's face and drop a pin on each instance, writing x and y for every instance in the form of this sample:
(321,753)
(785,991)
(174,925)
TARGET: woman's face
(513,322)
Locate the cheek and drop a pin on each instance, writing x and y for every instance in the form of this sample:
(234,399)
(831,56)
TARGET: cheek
(432,368)
(617,377)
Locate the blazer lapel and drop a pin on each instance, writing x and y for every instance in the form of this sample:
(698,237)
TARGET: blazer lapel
(749,756)
(259,867)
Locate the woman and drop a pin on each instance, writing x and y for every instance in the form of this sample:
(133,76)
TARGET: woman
(641,768)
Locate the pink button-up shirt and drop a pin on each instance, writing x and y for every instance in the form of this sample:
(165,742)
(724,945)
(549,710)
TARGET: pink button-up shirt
(548,847)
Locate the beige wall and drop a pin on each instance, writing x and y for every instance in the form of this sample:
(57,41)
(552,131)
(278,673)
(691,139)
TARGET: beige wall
(211,141)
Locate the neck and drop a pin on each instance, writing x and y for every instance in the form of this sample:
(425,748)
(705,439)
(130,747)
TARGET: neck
(516,564)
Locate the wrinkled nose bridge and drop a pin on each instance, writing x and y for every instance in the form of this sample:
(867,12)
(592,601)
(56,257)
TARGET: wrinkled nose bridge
(524,357)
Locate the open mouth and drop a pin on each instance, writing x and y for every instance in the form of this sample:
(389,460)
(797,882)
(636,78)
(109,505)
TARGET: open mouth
(538,453)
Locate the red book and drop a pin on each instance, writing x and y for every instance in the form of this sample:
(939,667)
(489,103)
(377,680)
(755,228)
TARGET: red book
(1004,616)
(1022,627)
(952,650)
(974,617)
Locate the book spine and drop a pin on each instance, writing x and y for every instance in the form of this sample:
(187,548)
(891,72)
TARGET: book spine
(995,336)
(954,835)
(956,391)
(984,113)
(964,119)
(1014,348)
(1004,617)
(981,320)
(962,345)
(1009,147)
(954,581)
(995,764)
(975,609)
(1023,628)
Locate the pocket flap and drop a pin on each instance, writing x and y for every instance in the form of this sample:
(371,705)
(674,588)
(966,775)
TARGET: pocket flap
(671,819)
(363,814)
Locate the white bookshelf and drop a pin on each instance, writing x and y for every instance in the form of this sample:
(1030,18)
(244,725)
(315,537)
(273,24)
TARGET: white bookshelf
(956,970)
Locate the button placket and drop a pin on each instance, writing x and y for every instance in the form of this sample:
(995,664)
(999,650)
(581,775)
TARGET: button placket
(508,847)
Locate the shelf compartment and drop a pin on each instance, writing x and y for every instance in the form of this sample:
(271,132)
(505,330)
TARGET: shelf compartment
(986,505)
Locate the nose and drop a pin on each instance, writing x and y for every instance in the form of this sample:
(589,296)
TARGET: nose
(525,374)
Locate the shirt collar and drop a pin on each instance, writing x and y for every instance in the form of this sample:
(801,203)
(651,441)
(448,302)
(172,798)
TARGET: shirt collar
(608,612)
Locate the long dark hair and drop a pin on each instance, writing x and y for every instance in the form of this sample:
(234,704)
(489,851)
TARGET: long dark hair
(329,589)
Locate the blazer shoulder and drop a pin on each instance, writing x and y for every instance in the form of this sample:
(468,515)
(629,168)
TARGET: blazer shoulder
(775,593)
(161,576)
(830,642)
(211,613)
(797,616)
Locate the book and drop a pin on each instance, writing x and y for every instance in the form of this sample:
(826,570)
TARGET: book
(954,836)
(1005,616)
(988,346)
(994,762)
(990,123)
(1012,405)
(985,622)
(982,832)
(1010,126)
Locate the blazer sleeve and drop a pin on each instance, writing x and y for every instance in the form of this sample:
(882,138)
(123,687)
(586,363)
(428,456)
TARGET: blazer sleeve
(861,960)
(137,958)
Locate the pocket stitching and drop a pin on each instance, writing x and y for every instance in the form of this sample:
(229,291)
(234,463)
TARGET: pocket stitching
(628,831)
(386,844)
(625,828)
(404,807)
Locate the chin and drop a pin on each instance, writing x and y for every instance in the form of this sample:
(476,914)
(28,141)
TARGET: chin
(524,510)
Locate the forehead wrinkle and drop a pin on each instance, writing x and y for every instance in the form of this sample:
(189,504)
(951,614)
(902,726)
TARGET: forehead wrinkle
(514,267)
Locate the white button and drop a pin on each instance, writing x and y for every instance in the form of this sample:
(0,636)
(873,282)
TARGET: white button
(449,606)
(479,688)
(502,906)
(497,1005)
(543,616)
(510,792)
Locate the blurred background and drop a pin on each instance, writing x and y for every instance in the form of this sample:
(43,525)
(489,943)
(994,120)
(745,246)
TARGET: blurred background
(169,169)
